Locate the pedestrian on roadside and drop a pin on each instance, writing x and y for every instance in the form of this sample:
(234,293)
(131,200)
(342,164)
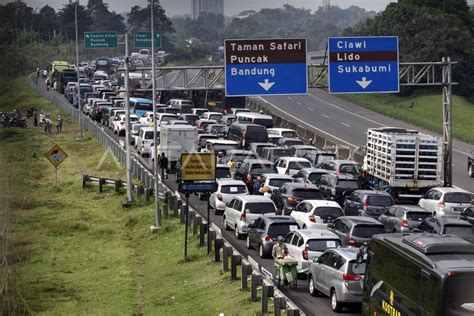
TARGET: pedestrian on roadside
(257,185)
(35,118)
(163,164)
(232,167)
(59,124)
(48,84)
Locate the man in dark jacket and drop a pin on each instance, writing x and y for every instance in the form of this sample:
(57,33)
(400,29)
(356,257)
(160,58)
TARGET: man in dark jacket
(163,164)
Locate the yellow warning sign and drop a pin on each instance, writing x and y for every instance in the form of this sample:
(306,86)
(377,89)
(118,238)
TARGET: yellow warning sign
(56,155)
(198,167)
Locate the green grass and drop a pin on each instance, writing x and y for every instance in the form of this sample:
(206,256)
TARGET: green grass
(424,109)
(76,251)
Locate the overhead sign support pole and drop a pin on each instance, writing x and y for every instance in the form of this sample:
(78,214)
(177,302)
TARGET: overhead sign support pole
(78,97)
(127,124)
(447,122)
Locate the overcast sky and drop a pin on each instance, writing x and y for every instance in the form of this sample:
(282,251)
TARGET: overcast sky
(231,7)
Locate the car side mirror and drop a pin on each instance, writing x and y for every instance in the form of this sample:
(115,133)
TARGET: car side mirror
(331,225)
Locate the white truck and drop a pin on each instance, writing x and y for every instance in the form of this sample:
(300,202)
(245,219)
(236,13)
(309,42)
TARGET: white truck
(403,162)
(175,140)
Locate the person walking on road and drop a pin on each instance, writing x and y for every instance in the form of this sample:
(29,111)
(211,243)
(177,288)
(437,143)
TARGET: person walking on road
(232,165)
(59,124)
(163,164)
(277,250)
(35,118)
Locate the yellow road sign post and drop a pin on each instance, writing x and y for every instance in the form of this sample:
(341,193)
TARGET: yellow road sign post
(56,155)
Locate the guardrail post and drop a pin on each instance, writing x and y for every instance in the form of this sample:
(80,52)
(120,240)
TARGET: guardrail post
(118,184)
(148,194)
(292,311)
(179,205)
(140,190)
(226,252)
(218,244)
(197,222)
(85,179)
(235,260)
(165,204)
(246,271)
(202,234)
(267,292)
(278,304)
(101,183)
(255,282)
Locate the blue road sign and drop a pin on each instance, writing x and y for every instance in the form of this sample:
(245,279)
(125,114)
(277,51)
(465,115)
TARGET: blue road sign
(192,187)
(265,67)
(363,64)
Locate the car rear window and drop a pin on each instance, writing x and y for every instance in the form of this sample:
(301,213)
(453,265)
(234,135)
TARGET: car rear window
(185,108)
(355,268)
(380,200)
(260,208)
(268,123)
(348,184)
(417,216)
(349,169)
(288,134)
(308,194)
(242,157)
(215,117)
(261,169)
(149,135)
(281,229)
(298,165)
(278,182)
(315,176)
(367,231)
(234,189)
(222,147)
(322,244)
(223,173)
(191,118)
(292,142)
(459,230)
(457,197)
(325,157)
(326,211)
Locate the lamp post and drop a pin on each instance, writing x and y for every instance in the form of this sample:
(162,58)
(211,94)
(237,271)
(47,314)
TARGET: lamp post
(78,96)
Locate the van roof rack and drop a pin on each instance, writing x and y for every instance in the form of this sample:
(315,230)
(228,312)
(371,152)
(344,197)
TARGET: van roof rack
(432,244)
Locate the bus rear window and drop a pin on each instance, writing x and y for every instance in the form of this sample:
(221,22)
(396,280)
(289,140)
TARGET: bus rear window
(143,106)
(459,295)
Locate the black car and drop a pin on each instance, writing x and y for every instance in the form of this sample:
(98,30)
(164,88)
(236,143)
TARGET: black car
(250,169)
(263,233)
(337,187)
(367,203)
(468,215)
(291,193)
(356,230)
(446,225)
(470,164)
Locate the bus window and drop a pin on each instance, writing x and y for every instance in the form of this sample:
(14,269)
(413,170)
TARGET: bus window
(459,295)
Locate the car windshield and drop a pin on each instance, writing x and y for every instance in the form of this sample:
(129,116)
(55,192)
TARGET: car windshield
(349,169)
(298,165)
(264,122)
(288,134)
(260,208)
(327,211)
(325,157)
(149,135)
(191,118)
(233,189)
(215,117)
(278,182)
(223,173)
(322,244)
(458,294)
(461,231)
(133,119)
(313,176)
(222,147)
(380,200)
(281,229)
(367,231)
(457,197)
(308,194)
(355,268)
(348,184)
(261,169)
(292,142)
(143,106)
(168,118)
(417,216)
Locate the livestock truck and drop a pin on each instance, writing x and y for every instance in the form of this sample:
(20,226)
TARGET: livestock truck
(403,162)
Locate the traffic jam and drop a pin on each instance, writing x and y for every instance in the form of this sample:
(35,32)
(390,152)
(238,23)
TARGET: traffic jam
(381,236)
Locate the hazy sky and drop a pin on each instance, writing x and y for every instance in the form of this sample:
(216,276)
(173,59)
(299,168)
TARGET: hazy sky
(231,7)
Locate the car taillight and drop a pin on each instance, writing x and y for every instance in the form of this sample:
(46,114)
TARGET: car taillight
(267,238)
(305,254)
(291,199)
(312,218)
(350,277)
(98,110)
(441,204)
(219,197)
(243,216)
(365,203)
(351,241)
(249,178)
(143,142)
(404,223)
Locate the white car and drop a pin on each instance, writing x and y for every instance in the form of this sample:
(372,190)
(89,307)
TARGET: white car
(305,245)
(291,165)
(145,141)
(134,133)
(114,114)
(216,116)
(316,213)
(226,191)
(273,181)
(146,118)
(165,118)
(245,209)
(119,123)
(282,132)
(447,202)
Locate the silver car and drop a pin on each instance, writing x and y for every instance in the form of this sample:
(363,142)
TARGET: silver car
(337,274)
(403,218)
(226,190)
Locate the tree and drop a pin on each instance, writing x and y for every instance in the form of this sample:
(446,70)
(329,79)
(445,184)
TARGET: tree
(104,20)
(67,21)
(47,25)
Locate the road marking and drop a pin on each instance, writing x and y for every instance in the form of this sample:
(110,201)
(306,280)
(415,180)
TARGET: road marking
(297,102)
(310,108)
(325,115)
(290,98)
(346,125)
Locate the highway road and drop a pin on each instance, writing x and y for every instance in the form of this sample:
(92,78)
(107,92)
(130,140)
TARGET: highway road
(300,296)
(349,122)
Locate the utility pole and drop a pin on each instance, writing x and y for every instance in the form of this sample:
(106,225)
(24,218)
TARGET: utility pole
(127,126)
(78,97)
(447,122)
(155,132)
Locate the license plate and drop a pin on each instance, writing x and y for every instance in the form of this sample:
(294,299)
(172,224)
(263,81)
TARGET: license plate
(457,209)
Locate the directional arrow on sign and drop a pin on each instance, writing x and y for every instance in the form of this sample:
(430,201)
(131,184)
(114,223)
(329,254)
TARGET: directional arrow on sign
(364,83)
(266,85)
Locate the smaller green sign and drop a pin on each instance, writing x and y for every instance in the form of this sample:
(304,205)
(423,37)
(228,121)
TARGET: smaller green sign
(143,40)
(100,39)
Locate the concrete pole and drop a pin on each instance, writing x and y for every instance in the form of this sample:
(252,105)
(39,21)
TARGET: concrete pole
(127,124)
(77,71)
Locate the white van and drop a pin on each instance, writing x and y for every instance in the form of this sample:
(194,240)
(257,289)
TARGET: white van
(145,140)
(255,118)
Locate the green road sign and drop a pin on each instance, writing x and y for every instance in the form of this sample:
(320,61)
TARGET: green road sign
(143,40)
(100,39)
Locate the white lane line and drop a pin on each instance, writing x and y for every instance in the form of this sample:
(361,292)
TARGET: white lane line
(290,98)
(311,109)
(297,102)
(325,115)
(346,125)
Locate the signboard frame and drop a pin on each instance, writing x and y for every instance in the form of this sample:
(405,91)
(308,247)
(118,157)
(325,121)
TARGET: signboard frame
(282,83)
(197,187)
(209,162)
(158,38)
(364,76)
(51,159)
(114,43)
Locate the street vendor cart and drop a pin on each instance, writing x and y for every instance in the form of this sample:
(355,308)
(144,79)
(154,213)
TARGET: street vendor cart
(287,273)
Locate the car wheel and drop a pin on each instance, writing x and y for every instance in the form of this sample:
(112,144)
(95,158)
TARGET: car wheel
(260,251)
(471,171)
(335,304)
(237,234)
(248,243)
(226,226)
(312,289)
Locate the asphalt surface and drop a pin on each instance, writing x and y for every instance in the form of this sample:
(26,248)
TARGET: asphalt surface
(349,122)
(300,296)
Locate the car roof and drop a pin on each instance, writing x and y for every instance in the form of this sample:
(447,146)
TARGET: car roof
(148,128)
(259,161)
(360,220)
(271,218)
(240,151)
(281,129)
(340,161)
(414,208)
(347,253)
(315,233)
(254,198)
(317,203)
(298,185)
(452,221)
(450,190)
(373,192)
(277,176)
(230,182)
(311,170)
(340,176)
(292,158)
(222,141)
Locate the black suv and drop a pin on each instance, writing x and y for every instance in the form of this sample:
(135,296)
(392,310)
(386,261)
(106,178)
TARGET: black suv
(445,225)
(250,169)
(337,187)
(367,203)
(290,194)
(355,230)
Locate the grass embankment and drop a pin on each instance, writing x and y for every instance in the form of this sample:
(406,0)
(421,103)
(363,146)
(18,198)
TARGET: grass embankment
(424,109)
(75,251)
